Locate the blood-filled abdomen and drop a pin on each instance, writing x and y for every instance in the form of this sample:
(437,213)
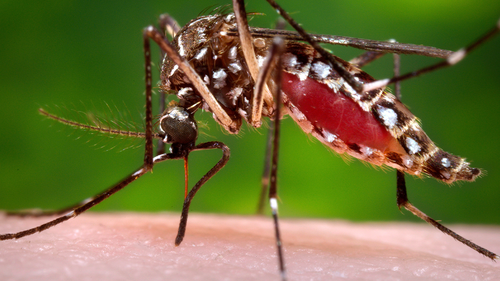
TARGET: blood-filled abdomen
(336,113)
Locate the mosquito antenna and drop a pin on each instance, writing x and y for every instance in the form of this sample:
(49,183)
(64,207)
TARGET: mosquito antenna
(99,128)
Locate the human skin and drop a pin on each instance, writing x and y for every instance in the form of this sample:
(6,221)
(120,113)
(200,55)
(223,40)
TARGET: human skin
(132,246)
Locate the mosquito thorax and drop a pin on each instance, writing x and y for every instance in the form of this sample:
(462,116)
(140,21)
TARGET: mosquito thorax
(178,125)
(219,61)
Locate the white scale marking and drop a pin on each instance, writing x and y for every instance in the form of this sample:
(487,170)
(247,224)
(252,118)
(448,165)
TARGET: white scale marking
(355,96)
(242,113)
(388,115)
(178,115)
(233,52)
(184,91)
(407,161)
(329,137)
(234,67)
(202,35)
(260,60)
(336,84)
(70,214)
(414,126)
(229,17)
(219,77)
(367,151)
(235,93)
(138,172)
(274,203)
(155,159)
(174,69)
(388,98)
(304,74)
(456,57)
(412,145)
(290,60)
(321,69)
(446,162)
(195,21)
(182,52)
(87,200)
(201,54)
(298,114)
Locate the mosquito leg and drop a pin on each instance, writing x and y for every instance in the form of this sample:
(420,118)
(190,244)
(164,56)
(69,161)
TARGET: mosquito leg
(452,59)
(148,154)
(280,24)
(397,67)
(169,25)
(89,203)
(148,157)
(160,146)
(264,74)
(266,172)
(215,169)
(366,58)
(275,53)
(363,44)
(278,49)
(248,51)
(402,200)
(35,213)
(372,55)
(400,176)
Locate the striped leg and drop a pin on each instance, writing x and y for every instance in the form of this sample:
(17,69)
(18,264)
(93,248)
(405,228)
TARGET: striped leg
(402,199)
(87,204)
(452,59)
(273,62)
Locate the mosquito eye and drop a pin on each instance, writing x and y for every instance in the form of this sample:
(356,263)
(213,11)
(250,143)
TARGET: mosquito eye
(178,125)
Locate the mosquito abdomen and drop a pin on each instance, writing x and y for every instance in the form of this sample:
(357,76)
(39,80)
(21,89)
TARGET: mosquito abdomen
(373,126)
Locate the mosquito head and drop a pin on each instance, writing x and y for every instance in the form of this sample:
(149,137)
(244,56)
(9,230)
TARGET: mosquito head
(178,124)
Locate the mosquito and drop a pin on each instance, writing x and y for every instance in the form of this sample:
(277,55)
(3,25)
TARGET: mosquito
(218,63)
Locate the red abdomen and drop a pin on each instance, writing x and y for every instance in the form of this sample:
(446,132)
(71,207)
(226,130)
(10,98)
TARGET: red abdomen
(336,113)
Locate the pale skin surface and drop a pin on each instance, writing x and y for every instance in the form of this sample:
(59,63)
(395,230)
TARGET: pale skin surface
(131,246)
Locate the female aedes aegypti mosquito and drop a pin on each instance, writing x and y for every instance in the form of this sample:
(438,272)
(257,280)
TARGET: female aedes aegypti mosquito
(216,65)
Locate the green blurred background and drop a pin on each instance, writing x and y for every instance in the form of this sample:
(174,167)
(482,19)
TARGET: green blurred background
(72,52)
